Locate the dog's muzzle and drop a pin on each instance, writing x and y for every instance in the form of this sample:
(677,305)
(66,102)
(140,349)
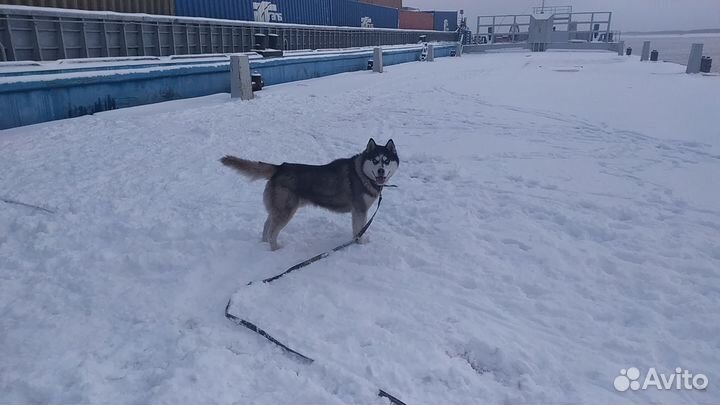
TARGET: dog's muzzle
(380,177)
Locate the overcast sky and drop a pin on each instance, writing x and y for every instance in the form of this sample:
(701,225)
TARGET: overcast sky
(628,15)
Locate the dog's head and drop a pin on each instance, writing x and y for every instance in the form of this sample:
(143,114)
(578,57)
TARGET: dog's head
(380,162)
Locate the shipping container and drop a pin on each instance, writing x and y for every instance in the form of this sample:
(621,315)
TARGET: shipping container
(385,3)
(444,20)
(416,20)
(310,12)
(347,13)
(225,9)
(162,7)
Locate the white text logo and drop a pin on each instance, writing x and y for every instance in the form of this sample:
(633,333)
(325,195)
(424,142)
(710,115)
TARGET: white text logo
(679,380)
(266,11)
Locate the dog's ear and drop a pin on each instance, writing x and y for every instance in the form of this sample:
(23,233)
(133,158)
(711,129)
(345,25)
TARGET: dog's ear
(371,145)
(391,147)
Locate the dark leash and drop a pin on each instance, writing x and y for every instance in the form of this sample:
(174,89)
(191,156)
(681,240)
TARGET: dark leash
(328,253)
(22,204)
(251,326)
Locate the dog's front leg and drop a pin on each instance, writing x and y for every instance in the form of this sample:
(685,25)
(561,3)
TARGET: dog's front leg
(359,218)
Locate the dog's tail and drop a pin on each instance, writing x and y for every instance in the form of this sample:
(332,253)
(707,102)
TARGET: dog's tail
(253,170)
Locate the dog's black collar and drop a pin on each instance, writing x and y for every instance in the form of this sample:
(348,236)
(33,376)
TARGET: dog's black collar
(374,185)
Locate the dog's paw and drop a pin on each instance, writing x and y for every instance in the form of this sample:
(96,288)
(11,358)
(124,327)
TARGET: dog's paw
(364,240)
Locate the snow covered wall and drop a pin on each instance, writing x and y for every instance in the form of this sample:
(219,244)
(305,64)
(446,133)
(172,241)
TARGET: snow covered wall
(556,222)
(33,96)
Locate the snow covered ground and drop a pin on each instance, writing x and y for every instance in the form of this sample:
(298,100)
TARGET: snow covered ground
(556,221)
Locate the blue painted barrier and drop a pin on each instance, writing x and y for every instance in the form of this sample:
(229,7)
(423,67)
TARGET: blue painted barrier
(30,101)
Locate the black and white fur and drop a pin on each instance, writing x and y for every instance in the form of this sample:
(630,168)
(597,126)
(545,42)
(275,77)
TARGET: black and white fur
(343,185)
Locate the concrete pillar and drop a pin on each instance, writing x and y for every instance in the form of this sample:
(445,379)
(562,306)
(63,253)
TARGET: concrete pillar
(693,65)
(431,53)
(621,48)
(240,78)
(459,49)
(645,51)
(377,60)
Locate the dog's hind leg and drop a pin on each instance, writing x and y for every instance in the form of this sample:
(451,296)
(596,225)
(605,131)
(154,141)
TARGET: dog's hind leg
(281,205)
(266,229)
(277,224)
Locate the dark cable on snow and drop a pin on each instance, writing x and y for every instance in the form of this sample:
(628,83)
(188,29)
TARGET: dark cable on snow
(7,201)
(251,326)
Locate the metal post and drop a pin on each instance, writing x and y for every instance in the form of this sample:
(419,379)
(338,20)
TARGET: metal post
(12,55)
(458,49)
(62,47)
(430,53)
(199,39)
(377,60)
(83,38)
(123,40)
(240,77)
(158,43)
(607,32)
(173,49)
(645,52)
(492,35)
(621,48)
(186,28)
(37,51)
(141,39)
(693,65)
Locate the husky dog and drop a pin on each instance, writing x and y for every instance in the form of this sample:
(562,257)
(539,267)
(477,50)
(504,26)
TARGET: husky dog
(344,185)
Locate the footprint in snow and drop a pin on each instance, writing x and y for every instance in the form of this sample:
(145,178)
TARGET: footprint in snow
(517,243)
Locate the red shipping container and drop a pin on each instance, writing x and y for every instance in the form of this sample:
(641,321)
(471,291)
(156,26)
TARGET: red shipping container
(385,3)
(416,20)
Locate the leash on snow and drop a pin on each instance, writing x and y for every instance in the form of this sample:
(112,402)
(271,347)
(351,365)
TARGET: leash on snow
(328,253)
(37,207)
(251,326)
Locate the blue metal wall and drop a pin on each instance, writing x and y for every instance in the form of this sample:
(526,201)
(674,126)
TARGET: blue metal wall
(350,13)
(347,13)
(344,13)
(225,9)
(31,102)
(439,18)
(311,12)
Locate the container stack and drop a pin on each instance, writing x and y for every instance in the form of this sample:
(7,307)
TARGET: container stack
(416,20)
(361,14)
(343,13)
(412,19)
(223,9)
(444,20)
(160,7)
(396,4)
